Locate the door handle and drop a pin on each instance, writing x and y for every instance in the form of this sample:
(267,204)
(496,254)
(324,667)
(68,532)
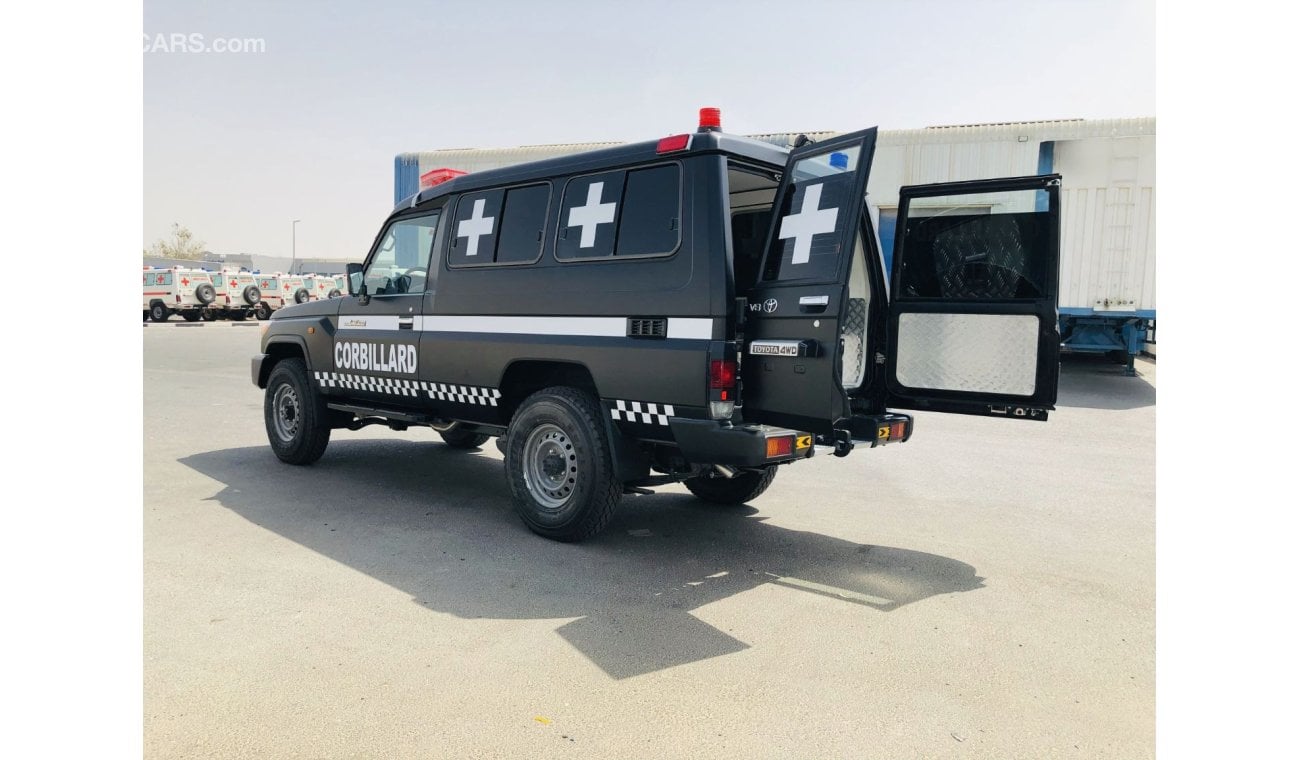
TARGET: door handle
(813,304)
(406,323)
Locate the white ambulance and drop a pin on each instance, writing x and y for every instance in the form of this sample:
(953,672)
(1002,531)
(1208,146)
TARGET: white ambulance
(279,290)
(177,290)
(237,293)
(322,286)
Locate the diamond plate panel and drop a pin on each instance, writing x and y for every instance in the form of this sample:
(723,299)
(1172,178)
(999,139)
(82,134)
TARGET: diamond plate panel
(981,353)
(853,335)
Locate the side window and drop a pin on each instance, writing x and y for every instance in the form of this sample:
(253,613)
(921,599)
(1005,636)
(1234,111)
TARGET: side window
(400,264)
(475,228)
(621,214)
(974,247)
(652,203)
(500,226)
(589,216)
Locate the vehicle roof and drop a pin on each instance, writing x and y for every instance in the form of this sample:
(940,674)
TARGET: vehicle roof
(595,160)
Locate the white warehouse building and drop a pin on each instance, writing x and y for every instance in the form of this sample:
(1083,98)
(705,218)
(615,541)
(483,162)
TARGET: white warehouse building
(1107,291)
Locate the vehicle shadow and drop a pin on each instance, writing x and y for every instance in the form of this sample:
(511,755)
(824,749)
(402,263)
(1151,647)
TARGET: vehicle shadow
(1096,382)
(438,524)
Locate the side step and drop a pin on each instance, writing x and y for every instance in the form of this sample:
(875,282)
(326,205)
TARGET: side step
(389,414)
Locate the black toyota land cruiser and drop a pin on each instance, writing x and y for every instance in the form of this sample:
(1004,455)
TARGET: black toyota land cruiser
(702,308)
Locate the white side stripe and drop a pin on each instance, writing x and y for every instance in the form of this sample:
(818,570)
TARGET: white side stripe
(680,328)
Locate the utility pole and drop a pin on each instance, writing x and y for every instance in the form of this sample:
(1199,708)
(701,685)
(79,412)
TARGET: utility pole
(293,261)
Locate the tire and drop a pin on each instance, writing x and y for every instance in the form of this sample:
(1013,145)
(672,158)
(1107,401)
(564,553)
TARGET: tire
(463,439)
(559,465)
(238,315)
(146,315)
(301,295)
(297,420)
(208,315)
(335,293)
(262,310)
(158,312)
(191,315)
(252,295)
(746,486)
(204,293)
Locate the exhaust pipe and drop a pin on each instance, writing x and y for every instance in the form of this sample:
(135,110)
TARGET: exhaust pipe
(725,471)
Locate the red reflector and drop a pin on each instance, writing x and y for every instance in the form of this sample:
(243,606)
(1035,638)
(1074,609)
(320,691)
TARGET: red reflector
(722,374)
(781,446)
(897,430)
(674,143)
(710,118)
(439,176)
(724,396)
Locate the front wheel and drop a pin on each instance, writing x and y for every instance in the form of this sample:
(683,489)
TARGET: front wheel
(745,486)
(191,315)
(262,310)
(297,419)
(559,465)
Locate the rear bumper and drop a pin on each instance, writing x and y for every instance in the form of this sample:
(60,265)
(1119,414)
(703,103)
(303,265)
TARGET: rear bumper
(712,442)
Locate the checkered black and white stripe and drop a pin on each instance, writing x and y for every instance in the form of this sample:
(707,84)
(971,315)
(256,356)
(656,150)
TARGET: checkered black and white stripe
(390,385)
(641,411)
(461,394)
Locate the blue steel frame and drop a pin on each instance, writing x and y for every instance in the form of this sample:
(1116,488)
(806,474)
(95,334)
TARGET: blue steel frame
(1087,331)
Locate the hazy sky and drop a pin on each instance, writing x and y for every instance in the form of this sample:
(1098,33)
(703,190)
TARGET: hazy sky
(239,144)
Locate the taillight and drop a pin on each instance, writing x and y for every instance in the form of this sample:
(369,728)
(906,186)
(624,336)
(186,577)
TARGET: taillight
(722,376)
(722,388)
(780,446)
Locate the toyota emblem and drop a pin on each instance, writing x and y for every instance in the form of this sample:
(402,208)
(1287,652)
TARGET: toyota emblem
(769,305)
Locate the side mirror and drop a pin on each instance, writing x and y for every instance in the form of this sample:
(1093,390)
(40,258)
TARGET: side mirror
(356,280)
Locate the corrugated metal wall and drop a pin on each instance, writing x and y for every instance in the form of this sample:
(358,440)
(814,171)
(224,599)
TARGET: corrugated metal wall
(1107,198)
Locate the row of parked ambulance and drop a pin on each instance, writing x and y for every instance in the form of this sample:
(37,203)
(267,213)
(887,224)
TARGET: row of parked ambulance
(199,294)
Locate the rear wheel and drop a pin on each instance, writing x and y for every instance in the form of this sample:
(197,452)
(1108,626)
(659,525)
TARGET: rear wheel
(297,420)
(158,312)
(262,310)
(559,466)
(745,486)
(208,315)
(239,315)
(459,438)
(190,315)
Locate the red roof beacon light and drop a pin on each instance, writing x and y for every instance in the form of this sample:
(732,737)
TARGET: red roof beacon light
(439,176)
(710,120)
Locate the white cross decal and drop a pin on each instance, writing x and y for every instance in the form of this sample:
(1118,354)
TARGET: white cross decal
(590,216)
(808,222)
(475,227)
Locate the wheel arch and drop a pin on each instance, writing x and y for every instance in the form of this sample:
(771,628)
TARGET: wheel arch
(523,377)
(279,348)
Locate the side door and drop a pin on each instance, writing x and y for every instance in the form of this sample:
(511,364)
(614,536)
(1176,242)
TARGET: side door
(972,318)
(791,363)
(376,344)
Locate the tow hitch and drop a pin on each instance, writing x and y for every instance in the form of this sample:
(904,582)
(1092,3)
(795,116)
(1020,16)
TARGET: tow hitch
(873,429)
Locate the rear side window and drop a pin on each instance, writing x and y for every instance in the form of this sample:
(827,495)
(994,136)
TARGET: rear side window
(501,226)
(633,213)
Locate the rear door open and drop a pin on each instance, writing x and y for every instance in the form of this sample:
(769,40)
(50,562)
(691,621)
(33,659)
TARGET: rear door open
(791,362)
(972,317)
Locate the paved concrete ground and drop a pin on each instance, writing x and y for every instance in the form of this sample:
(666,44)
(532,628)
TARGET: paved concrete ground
(985,590)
